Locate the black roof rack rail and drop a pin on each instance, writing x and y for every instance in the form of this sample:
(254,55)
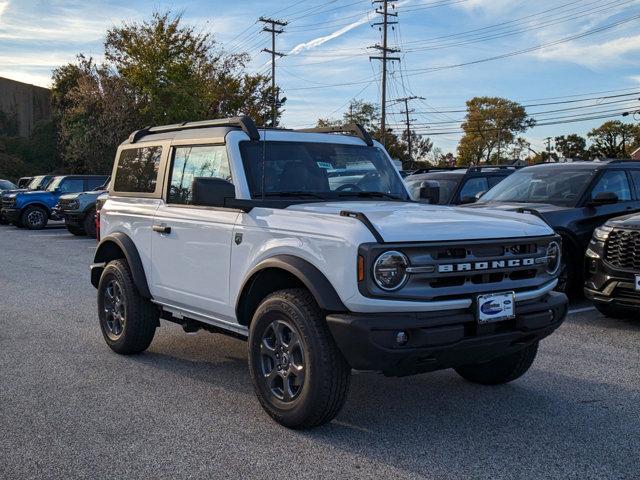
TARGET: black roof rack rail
(479,168)
(244,122)
(350,128)
(420,171)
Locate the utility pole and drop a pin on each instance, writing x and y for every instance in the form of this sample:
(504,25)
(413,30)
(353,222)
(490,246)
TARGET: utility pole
(384,48)
(548,139)
(407,112)
(275,27)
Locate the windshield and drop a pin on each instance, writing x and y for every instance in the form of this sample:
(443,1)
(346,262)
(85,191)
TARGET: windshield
(549,185)
(320,170)
(447,187)
(55,183)
(36,183)
(6,185)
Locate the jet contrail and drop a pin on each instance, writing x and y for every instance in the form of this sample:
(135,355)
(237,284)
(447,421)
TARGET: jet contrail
(320,40)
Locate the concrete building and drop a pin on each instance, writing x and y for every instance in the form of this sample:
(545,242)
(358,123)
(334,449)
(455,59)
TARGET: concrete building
(27,103)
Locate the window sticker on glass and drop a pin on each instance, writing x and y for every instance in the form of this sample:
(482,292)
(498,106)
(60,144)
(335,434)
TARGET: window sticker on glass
(325,165)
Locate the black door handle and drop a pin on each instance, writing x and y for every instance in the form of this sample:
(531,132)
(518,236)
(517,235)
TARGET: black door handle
(161,228)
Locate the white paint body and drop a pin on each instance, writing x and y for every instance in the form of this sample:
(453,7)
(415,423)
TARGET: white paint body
(198,268)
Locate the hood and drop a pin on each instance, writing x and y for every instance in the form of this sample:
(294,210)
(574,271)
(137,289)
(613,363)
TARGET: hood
(415,222)
(10,192)
(513,206)
(70,196)
(631,221)
(33,194)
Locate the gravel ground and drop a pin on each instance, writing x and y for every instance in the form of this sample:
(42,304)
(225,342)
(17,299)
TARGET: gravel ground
(70,408)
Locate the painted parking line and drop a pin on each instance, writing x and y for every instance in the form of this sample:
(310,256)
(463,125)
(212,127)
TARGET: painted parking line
(581,310)
(50,235)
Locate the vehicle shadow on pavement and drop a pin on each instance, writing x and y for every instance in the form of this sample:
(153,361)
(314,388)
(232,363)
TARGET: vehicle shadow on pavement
(544,419)
(600,321)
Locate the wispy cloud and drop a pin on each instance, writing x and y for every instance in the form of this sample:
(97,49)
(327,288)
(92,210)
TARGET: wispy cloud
(3,8)
(595,55)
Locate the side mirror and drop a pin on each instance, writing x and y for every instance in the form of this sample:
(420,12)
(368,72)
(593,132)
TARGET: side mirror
(211,192)
(604,198)
(430,192)
(466,200)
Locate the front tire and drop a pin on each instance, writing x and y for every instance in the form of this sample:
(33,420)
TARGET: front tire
(34,218)
(502,369)
(128,321)
(89,223)
(299,375)
(614,311)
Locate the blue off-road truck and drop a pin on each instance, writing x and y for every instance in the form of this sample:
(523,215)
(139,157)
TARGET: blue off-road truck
(34,209)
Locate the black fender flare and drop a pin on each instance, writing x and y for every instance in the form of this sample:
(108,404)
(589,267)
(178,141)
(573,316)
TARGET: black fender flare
(308,274)
(569,237)
(36,204)
(108,250)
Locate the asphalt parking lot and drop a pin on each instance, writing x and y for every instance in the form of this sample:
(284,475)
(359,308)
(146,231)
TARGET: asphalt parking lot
(70,408)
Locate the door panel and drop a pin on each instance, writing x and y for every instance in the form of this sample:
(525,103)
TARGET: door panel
(191,263)
(191,260)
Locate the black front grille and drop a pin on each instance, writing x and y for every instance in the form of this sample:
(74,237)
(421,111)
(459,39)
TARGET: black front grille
(623,249)
(8,203)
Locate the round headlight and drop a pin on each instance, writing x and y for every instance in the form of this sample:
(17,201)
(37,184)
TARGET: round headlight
(390,270)
(554,255)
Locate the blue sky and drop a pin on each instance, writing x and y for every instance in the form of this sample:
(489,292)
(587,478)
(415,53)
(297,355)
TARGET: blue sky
(327,62)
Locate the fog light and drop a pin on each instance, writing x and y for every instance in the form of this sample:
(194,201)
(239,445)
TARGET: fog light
(402,338)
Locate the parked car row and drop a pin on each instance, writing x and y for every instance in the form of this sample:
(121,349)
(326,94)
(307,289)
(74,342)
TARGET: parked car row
(71,198)
(582,201)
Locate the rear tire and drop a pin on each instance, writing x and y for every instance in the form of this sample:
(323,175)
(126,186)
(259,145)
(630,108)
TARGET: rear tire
(75,230)
(89,223)
(299,375)
(502,369)
(128,321)
(34,218)
(614,311)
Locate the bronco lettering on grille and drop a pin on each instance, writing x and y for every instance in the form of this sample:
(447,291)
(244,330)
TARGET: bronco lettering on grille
(492,265)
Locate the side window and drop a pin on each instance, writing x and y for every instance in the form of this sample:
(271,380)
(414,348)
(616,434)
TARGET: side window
(72,185)
(137,170)
(192,162)
(635,174)
(473,186)
(93,183)
(613,181)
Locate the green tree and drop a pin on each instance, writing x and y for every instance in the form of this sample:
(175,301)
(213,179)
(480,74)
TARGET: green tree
(155,72)
(420,148)
(490,126)
(614,139)
(572,146)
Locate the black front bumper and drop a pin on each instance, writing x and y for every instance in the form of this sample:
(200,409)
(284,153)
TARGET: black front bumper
(11,215)
(438,340)
(609,285)
(70,217)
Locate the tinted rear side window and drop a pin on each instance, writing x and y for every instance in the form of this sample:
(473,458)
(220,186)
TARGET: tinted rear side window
(138,170)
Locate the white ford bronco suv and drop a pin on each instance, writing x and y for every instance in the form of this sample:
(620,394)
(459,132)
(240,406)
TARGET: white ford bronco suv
(307,244)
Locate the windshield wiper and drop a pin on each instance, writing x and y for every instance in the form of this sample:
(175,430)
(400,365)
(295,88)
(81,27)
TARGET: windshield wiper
(370,195)
(294,194)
